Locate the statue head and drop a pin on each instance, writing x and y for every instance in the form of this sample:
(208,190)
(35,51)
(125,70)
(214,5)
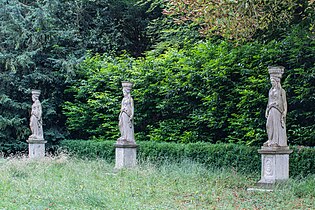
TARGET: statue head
(35,94)
(276,72)
(127,86)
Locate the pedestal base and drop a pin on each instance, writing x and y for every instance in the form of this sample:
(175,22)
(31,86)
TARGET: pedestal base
(274,165)
(126,155)
(36,148)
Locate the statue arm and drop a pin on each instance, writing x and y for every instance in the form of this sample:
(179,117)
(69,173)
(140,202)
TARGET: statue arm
(268,106)
(285,108)
(267,112)
(121,108)
(285,104)
(132,109)
(33,111)
(40,112)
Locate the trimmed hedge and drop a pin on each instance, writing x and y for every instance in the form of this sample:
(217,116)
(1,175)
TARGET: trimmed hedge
(302,161)
(241,158)
(89,148)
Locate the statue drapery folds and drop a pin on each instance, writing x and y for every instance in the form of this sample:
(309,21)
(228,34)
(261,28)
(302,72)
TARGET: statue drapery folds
(276,110)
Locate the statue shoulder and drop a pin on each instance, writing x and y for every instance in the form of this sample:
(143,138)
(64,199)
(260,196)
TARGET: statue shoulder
(283,92)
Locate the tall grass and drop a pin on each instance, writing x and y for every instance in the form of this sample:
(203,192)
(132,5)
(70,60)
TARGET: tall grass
(69,183)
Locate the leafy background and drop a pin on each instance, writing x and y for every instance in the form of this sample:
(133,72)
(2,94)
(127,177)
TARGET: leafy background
(188,86)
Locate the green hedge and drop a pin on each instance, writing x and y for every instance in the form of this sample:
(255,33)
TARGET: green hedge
(241,158)
(302,161)
(89,149)
(13,148)
(209,92)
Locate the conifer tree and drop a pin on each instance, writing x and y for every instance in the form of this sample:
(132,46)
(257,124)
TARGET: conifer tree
(42,41)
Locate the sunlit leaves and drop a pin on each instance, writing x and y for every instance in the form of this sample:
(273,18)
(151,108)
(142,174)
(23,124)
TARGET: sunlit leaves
(238,20)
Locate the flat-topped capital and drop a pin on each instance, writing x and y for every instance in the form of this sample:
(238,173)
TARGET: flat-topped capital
(276,71)
(126,84)
(36,92)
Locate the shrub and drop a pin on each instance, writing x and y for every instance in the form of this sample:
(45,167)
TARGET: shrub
(13,148)
(210,92)
(89,149)
(241,158)
(302,161)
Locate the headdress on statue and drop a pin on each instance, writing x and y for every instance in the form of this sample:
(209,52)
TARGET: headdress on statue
(36,92)
(276,71)
(127,85)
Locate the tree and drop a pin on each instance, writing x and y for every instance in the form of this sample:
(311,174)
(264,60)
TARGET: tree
(26,39)
(41,43)
(240,19)
(214,92)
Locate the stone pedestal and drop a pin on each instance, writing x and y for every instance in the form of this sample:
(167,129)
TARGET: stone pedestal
(36,148)
(274,165)
(126,155)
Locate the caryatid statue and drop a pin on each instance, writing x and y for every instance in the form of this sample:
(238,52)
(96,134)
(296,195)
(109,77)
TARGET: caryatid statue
(126,123)
(36,123)
(276,110)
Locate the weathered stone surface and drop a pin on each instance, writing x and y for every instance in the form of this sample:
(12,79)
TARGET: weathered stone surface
(275,152)
(36,123)
(36,142)
(274,165)
(126,156)
(36,148)
(276,110)
(126,122)
(125,147)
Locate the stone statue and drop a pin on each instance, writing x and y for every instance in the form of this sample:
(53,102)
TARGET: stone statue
(276,110)
(36,123)
(126,125)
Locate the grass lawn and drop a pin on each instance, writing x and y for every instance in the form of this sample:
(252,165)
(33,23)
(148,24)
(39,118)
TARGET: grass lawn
(69,183)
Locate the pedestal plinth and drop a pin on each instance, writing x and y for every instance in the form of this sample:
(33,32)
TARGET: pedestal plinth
(126,155)
(36,148)
(274,165)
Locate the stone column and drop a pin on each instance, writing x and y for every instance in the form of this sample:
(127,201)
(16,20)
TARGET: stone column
(36,142)
(274,165)
(36,148)
(126,147)
(126,155)
(275,151)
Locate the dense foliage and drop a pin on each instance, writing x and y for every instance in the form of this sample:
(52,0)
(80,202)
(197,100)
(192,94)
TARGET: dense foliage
(213,92)
(187,88)
(241,19)
(42,41)
(239,157)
